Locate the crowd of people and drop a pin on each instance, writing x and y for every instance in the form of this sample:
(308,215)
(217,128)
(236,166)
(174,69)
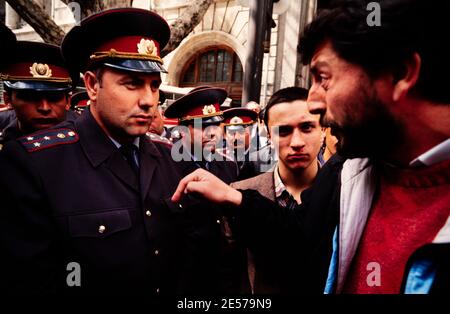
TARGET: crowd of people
(339,188)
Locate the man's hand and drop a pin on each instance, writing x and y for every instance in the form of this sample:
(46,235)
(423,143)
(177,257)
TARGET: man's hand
(208,186)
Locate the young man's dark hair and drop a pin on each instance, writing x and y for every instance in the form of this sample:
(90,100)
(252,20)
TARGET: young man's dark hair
(407,26)
(288,94)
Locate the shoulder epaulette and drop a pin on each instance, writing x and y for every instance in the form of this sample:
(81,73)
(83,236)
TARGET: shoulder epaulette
(48,138)
(155,138)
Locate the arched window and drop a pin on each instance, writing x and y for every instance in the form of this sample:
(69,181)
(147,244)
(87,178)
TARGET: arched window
(215,66)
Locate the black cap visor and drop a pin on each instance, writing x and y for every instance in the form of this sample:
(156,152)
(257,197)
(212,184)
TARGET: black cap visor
(39,86)
(142,66)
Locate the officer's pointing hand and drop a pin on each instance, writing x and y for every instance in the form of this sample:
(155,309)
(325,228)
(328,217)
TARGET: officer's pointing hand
(208,186)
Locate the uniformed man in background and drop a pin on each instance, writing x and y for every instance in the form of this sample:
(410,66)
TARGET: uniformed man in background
(79,102)
(157,130)
(37,84)
(238,124)
(199,114)
(200,118)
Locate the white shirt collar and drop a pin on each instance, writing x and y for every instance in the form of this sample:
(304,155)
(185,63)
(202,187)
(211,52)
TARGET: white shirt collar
(438,153)
(278,183)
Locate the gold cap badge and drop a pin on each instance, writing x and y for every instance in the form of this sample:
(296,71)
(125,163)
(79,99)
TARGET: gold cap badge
(236,120)
(40,70)
(147,47)
(209,109)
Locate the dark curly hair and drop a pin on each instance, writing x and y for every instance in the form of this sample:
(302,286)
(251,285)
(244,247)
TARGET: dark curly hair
(407,27)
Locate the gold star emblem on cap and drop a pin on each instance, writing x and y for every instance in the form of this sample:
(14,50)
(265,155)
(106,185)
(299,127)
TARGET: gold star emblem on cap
(46,138)
(37,144)
(60,135)
(236,120)
(30,138)
(209,109)
(147,47)
(40,70)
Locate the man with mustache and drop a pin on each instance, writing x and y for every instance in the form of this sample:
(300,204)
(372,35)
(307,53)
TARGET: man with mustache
(86,204)
(37,84)
(259,134)
(199,116)
(157,130)
(238,125)
(378,222)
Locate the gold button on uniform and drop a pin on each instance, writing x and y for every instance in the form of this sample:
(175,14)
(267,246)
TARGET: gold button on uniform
(148,213)
(218,221)
(157,290)
(156,252)
(101,229)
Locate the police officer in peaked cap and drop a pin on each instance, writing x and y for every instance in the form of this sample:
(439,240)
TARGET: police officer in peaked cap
(200,118)
(157,130)
(96,192)
(200,115)
(79,101)
(238,123)
(36,84)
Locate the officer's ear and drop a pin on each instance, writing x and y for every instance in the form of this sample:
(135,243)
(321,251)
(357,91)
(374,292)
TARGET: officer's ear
(92,85)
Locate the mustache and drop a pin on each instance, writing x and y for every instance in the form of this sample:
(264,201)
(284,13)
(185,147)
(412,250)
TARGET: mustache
(329,123)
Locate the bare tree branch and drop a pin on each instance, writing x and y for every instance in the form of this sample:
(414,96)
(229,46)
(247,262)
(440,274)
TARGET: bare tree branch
(185,23)
(50,32)
(41,22)
(89,7)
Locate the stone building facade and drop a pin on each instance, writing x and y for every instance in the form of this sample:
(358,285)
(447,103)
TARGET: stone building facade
(215,52)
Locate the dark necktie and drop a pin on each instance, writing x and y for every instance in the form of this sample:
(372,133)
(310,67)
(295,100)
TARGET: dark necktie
(129,151)
(286,200)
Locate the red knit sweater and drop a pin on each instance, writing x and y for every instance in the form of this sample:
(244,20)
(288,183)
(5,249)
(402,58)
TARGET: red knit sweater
(408,212)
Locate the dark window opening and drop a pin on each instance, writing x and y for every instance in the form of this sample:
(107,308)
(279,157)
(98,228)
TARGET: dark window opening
(213,65)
